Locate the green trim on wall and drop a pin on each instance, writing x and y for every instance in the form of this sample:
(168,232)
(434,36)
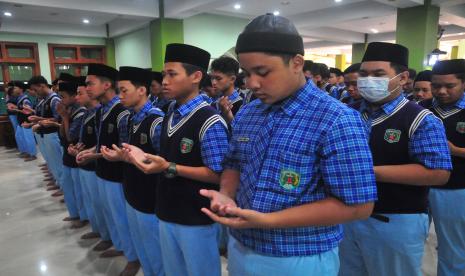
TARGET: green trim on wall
(163,32)
(417,30)
(110,52)
(358,50)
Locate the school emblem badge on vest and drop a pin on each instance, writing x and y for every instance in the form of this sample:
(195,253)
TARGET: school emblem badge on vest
(392,135)
(289,180)
(89,130)
(186,145)
(460,127)
(111,128)
(143,138)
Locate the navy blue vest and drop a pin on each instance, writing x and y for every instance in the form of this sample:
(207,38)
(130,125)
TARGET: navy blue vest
(68,159)
(109,135)
(389,143)
(48,113)
(139,188)
(21,117)
(454,123)
(89,138)
(178,199)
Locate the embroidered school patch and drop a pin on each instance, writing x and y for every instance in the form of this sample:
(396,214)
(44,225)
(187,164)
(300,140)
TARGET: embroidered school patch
(143,138)
(111,128)
(460,127)
(186,145)
(392,135)
(289,180)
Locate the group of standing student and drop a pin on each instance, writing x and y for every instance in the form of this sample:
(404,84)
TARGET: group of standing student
(19,106)
(302,183)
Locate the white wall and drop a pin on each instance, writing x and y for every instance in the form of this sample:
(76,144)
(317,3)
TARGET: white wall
(133,49)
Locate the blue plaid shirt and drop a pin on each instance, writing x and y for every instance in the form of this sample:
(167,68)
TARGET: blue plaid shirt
(123,131)
(157,102)
(427,145)
(307,148)
(53,104)
(75,126)
(138,117)
(215,140)
(231,98)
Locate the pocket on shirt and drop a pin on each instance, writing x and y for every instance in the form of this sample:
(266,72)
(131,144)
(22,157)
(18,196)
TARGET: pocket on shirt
(295,171)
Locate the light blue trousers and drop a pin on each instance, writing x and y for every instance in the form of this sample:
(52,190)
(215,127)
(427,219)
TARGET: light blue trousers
(67,185)
(145,237)
(448,211)
(243,261)
(373,247)
(190,250)
(54,151)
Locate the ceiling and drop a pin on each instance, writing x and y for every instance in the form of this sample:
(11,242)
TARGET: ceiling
(322,23)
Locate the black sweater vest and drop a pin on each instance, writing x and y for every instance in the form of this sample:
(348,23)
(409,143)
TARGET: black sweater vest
(68,159)
(178,199)
(389,143)
(109,135)
(454,123)
(48,113)
(89,138)
(139,188)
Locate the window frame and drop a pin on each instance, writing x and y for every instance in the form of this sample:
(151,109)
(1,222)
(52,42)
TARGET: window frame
(6,60)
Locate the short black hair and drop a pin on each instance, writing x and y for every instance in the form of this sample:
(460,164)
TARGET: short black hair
(191,69)
(354,68)
(320,69)
(412,73)
(38,80)
(103,79)
(240,80)
(206,81)
(225,65)
(138,84)
(335,71)
(398,68)
(308,65)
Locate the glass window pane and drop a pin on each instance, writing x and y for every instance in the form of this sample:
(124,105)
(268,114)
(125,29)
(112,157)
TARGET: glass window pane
(20,72)
(19,52)
(65,68)
(91,53)
(64,53)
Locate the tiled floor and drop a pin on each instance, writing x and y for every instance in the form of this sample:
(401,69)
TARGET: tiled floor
(35,241)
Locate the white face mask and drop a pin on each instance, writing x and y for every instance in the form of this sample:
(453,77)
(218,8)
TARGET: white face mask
(375,89)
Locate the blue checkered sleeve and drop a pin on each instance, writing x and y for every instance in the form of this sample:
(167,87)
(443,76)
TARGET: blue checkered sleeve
(53,104)
(156,136)
(75,126)
(428,144)
(346,163)
(214,146)
(123,129)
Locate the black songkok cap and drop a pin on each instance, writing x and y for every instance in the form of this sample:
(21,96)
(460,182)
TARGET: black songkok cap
(80,81)
(354,68)
(102,70)
(19,84)
(189,54)
(135,74)
(157,76)
(66,77)
(382,51)
(424,76)
(70,87)
(447,67)
(270,33)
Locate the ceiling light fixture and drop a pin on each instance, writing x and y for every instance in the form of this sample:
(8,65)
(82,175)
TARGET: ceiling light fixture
(7,14)
(276,12)
(85,21)
(237,6)
(337,1)
(375,31)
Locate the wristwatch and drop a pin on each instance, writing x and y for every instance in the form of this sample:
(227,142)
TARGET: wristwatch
(171,172)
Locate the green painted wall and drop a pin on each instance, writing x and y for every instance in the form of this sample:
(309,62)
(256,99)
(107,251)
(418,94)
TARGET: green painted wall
(417,30)
(358,50)
(110,52)
(163,32)
(42,42)
(133,49)
(214,33)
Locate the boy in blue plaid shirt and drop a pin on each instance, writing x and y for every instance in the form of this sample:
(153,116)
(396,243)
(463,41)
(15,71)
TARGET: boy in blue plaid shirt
(298,163)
